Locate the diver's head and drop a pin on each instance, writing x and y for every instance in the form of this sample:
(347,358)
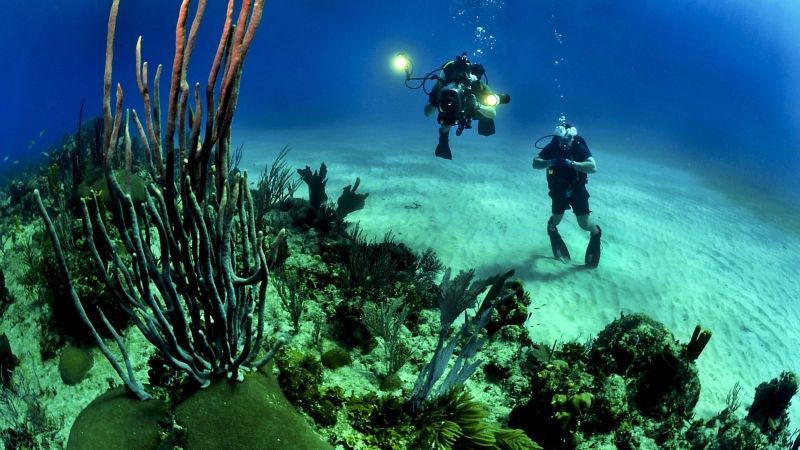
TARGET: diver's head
(565,132)
(478,70)
(461,63)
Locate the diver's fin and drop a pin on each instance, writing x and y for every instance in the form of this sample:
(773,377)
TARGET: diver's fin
(560,251)
(443,151)
(485,126)
(443,148)
(592,258)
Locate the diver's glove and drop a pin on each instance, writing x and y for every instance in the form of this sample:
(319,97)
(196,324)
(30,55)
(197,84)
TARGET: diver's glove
(562,162)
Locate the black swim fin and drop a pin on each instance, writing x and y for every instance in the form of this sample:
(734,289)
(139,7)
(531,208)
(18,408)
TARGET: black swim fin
(560,251)
(485,127)
(443,148)
(592,258)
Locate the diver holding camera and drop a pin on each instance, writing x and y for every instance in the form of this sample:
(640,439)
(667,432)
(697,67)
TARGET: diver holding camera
(461,94)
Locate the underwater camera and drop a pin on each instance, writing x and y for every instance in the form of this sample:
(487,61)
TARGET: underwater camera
(451,101)
(454,93)
(458,105)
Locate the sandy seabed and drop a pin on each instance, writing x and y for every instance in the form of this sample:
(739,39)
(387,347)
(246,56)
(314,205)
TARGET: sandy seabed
(676,246)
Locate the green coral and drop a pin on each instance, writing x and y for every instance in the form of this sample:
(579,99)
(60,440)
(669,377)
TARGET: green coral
(769,410)
(301,380)
(582,402)
(243,416)
(381,421)
(335,358)
(442,434)
(645,351)
(457,421)
(350,201)
(561,401)
(74,364)
(95,181)
(513,312)
(106,423)
(513,439)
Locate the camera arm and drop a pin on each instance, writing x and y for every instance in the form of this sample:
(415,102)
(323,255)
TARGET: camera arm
(425,78)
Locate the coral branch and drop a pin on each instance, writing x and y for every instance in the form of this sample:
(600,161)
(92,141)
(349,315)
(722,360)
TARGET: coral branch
(199,297)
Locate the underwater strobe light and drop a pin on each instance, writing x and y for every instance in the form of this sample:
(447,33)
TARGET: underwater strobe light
(402,63)
(496,99)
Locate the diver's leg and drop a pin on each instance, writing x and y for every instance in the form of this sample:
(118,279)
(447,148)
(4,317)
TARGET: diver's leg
(560,251)
(443,148)
(580,206)
(592,258)
(586,222)
(555,219)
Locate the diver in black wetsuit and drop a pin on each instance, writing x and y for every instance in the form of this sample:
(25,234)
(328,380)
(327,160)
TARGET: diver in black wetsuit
(461,95)
(567,159)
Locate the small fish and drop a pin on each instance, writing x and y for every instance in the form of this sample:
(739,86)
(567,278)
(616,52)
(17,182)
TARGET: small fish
(46,154)
(41,133)
(5,159)
(31,144)
(15,162)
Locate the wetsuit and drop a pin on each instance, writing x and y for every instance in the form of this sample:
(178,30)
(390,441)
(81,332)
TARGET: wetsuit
(567,185)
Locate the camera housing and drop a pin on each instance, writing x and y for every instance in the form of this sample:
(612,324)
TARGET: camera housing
(451,103)
(458,104)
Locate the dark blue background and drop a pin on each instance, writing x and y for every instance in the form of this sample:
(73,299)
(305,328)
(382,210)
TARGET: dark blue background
(718,81)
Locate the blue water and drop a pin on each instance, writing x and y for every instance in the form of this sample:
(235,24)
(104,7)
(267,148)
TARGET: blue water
(718,80)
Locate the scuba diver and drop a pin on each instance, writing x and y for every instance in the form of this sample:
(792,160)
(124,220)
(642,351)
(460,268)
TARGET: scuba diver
(460,95)
(568,161)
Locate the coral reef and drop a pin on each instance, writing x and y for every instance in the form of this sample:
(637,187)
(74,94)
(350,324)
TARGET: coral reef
(193,298)
(74,364)
(635,387)
(643,350)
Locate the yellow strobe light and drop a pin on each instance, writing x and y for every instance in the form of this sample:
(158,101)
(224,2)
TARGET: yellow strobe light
(492,100)
(401,63)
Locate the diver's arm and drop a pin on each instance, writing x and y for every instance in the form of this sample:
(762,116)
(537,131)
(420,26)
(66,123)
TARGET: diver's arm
(488,112)
(588,166)
(432,103)
(539,163)
(428,109)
